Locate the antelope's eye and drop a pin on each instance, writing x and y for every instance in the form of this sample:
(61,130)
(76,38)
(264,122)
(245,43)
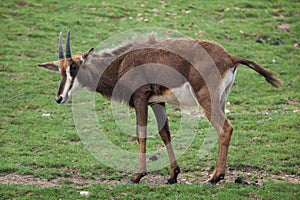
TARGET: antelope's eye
(73,69)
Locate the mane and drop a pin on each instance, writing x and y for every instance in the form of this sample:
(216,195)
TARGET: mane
(115,52)
(109,53)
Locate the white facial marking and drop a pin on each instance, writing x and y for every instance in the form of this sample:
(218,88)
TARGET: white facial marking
(75,88)
(67,85)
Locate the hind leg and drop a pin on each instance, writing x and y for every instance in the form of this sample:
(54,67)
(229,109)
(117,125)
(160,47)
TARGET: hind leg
(215,114)
(225,133)
(164,131)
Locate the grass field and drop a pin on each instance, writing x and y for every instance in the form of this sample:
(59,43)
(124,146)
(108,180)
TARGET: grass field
(43,157)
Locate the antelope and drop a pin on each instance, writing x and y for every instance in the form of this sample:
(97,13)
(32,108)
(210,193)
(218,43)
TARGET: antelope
(153,73)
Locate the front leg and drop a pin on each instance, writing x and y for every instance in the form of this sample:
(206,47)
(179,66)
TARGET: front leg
(164,131)
(141,109)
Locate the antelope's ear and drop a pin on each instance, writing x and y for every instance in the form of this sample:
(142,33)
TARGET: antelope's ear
(53,66)
(86,55)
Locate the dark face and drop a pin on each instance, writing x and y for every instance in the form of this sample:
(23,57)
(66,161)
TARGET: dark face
(68,68)
(69,84)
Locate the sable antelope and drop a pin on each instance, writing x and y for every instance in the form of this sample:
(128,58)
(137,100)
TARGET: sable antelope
(154,73)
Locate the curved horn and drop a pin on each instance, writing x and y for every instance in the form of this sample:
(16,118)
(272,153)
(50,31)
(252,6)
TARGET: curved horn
(60,49)
(68,48)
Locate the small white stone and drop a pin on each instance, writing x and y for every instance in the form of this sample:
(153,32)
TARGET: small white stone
(273,61)
(84,193)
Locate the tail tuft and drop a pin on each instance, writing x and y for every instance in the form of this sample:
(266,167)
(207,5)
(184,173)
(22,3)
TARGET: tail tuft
(274,81)
(262,71)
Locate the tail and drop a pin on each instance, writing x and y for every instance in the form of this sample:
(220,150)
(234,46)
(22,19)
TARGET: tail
(262,71)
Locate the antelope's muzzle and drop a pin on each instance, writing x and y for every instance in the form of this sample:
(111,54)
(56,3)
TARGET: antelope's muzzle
(59,100)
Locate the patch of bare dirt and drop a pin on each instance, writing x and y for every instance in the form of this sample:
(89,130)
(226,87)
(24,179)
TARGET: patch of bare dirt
(75,181)
(151,179)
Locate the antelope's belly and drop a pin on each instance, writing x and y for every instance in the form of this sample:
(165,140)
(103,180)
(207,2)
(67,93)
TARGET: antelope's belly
(181,96)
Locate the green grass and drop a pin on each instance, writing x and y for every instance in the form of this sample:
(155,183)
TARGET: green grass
(228,191)
(265,120)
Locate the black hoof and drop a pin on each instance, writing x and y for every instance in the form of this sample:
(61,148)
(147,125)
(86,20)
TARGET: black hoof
(173,180)
(170,181)
(136,179)
(215,180)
